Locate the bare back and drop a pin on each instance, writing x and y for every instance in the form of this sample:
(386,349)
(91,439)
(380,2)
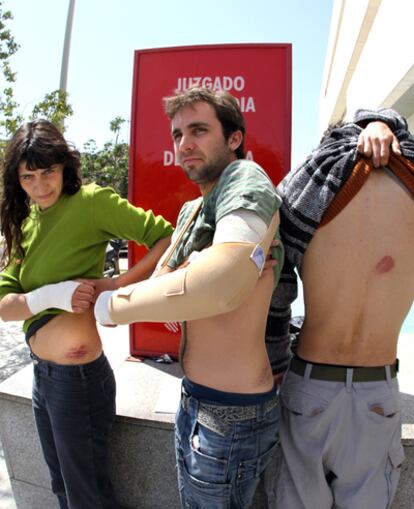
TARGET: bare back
(358,276)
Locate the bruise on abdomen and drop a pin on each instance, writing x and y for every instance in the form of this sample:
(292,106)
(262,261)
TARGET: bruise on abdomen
(77,353)
(385,264)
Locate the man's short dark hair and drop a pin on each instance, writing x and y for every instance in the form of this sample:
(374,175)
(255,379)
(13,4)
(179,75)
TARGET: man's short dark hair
(225,105)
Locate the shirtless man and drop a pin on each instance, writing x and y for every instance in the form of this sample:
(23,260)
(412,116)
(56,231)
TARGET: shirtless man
(340,428)
(226,426)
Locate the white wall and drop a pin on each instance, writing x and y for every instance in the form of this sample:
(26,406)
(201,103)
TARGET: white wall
(350,23)
(385,70)
(370,59)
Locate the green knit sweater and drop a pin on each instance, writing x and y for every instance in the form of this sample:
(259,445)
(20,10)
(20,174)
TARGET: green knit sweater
(68,240)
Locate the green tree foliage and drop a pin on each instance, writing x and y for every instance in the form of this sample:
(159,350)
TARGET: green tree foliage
(53,107)
(108,166)
(9,118)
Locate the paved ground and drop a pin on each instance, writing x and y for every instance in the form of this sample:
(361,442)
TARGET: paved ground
(13,356)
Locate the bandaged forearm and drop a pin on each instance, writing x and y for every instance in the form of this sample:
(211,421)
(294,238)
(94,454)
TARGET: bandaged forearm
(58,296)
(218,281)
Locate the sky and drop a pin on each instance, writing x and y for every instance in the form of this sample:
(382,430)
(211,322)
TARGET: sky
(105,34)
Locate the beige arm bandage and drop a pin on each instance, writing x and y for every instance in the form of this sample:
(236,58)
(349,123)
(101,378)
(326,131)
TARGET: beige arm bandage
(218,281)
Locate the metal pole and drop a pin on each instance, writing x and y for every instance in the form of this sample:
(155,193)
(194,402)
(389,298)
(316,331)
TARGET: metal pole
(66,47)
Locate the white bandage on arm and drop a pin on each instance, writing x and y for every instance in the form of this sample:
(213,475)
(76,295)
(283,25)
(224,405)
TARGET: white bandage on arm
(240,226)
(218,281)
(57,295)
(102,308)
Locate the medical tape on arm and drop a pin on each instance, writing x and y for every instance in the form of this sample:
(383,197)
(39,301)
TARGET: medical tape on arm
(218,281)
(57,295)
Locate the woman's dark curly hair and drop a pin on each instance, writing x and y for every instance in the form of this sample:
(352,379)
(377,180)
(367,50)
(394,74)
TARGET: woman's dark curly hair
(39,144)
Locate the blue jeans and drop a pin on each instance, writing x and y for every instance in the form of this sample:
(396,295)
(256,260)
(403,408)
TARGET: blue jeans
(74,408)
(222,450)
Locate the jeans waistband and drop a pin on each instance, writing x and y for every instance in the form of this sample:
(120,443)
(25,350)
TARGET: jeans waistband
(76,371)
(230,413)
(333,373)
(206,394)
(38,324)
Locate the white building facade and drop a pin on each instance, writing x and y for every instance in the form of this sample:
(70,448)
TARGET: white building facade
(370,59)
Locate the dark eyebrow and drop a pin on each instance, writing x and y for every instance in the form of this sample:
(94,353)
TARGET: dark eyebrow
(198,124)
(29,171)
(190,126)
(26,172)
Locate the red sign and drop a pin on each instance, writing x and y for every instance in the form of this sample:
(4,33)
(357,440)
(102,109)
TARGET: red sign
(259,76)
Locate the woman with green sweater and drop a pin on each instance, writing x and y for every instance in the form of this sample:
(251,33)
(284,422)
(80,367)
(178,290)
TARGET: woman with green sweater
(55,234)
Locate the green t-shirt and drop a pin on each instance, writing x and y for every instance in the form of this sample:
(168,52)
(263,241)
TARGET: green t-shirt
(242,185)
(68,240)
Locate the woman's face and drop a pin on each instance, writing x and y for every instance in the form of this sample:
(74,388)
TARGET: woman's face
(43,186)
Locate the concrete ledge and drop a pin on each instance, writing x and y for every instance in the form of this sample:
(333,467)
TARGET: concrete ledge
(142,445)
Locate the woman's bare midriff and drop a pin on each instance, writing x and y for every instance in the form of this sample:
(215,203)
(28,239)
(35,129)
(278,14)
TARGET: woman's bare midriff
(69,338)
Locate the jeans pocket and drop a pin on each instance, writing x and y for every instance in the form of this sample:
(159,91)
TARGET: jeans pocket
(203,471)
(196,494)
(384,409)
(207,457)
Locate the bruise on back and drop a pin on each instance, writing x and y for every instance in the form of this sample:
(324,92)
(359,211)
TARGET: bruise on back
(386,264)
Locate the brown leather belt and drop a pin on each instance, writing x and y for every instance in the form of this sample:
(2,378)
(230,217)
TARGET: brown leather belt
(332,373)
